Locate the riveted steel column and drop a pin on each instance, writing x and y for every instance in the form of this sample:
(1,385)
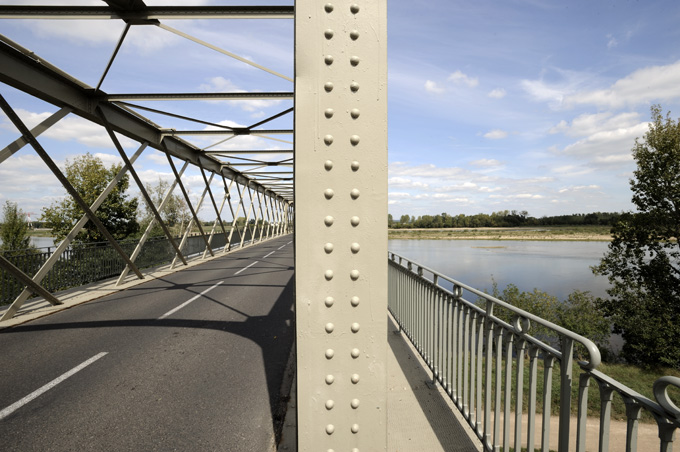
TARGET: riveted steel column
(341,224)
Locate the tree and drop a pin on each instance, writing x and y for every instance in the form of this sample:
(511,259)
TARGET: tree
(390,220)
(175,213)
(14,229)
(643,261)
(89,177)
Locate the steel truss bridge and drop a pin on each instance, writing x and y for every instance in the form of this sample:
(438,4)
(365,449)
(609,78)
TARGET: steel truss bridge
(323,172)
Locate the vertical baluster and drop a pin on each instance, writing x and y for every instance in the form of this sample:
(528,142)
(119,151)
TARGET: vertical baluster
(447,344)
(531,409)
(480,354)
(633,412)
(606,396)
(459,354)
(519,378)
(473,374)
(508,392)
(437,335)
(566,365)
(466,357)
(497,401)
(454,351)
(582,417)
(666,430)
(548,364)
(488,325)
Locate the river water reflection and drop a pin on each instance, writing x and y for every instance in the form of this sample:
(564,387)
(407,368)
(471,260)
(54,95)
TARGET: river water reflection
(557,268)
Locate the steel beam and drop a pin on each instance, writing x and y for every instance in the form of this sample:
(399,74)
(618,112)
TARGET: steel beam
(31,74)
(195,96)
(186,198)
(140,186)
(52,260)
(341,224)
(153,221)
(18,123)
(25,279)
(148,13)
(20,142)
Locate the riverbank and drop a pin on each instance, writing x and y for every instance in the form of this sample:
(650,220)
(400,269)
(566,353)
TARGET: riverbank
(548,233)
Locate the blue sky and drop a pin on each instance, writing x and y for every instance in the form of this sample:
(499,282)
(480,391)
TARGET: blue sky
(522,104)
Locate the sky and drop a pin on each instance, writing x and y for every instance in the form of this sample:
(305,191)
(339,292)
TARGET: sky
(493,105)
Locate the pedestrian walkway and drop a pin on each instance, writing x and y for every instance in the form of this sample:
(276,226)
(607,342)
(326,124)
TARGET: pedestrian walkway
(419,418)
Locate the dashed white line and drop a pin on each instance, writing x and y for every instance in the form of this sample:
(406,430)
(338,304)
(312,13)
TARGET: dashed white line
(282,246)
(269,254)
(244,268)
(172,311)
(15,406)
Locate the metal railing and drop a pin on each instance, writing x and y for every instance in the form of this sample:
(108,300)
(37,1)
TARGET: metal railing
(86,263)
(479,350)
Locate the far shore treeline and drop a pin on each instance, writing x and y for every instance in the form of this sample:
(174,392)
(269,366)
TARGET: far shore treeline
(502,219)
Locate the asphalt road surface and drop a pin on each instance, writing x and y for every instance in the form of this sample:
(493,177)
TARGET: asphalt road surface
(193,361)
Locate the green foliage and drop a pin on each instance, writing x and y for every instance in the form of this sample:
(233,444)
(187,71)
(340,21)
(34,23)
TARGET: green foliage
(175,213)
(89,177)
(504,219)
(578,313)
(14,230)
(643,261)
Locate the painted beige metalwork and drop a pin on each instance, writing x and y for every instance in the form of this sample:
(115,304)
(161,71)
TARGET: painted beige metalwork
(341,231)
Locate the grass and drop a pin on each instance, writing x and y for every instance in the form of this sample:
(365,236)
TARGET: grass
(638,379)
(596,233)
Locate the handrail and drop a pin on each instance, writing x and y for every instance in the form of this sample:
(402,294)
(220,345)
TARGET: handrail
(593,351)
(477,357)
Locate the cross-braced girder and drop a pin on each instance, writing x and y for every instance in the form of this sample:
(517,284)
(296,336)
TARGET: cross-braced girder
(161,120)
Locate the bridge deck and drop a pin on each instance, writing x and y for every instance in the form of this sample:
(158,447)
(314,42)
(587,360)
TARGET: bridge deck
(210,378)
(205,377)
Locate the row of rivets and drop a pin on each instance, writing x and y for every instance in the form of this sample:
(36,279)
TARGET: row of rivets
(354,34)
(354,8)
(328,165)
(330,404)
(330,328)
(329,220)
(330,353)
(330,301)
(354,140)
(330,379)
(354,86)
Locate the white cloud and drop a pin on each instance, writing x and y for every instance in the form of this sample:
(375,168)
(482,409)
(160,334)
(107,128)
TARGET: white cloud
(588,124)
(611,41)
(432,87)
(458,187)
(497,93)
(103,32)
(486,163)
(221,84)
(427,171)
(579,188)
(496,134)
(458,77)
(403,182)
(650,84)
(607,143)
(70,128)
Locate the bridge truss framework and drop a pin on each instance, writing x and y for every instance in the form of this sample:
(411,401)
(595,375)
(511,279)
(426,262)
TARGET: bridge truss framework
(329,177)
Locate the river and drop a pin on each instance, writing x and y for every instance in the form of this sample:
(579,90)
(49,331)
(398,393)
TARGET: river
(557,268)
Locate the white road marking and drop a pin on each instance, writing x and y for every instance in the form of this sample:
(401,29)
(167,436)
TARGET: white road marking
(15,406)
(282,246)
(172,311)
(244,268)
(269,254)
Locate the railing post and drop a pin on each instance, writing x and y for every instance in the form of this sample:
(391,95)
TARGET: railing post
(566,365)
